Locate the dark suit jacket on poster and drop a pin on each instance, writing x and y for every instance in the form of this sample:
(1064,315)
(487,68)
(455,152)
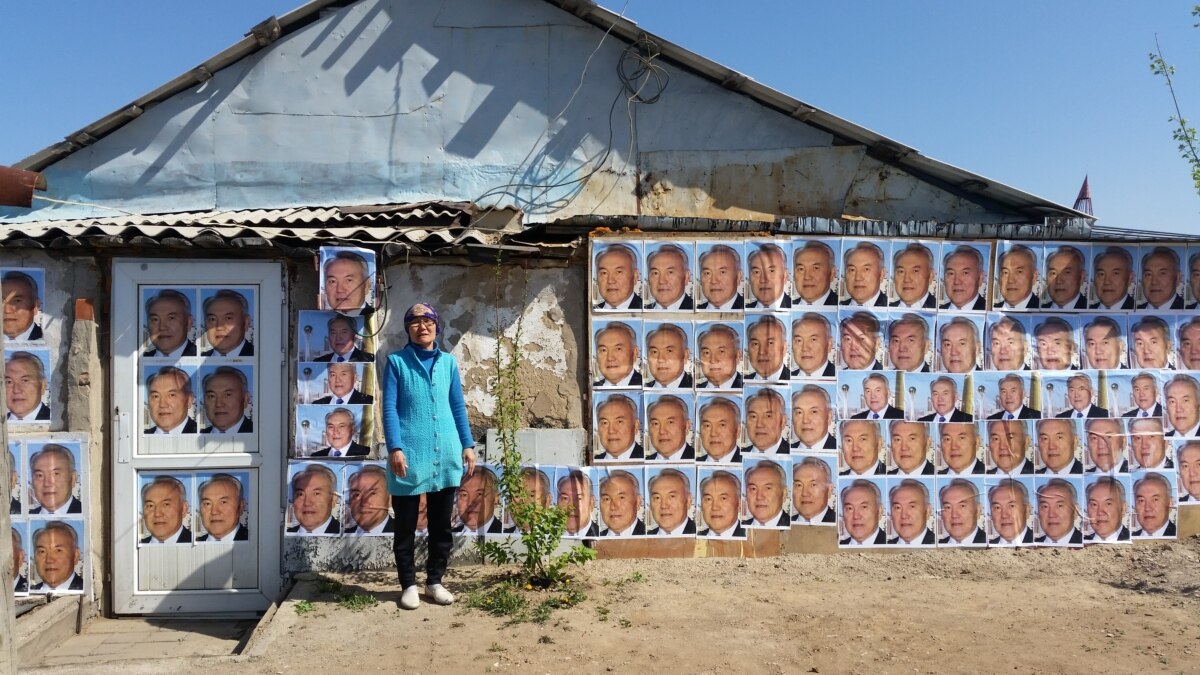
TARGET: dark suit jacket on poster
(1127,303)
(927,471)
(189,349)
(638,453)
(1093,413)
(829,444)
(784,303)
(1027,539)
(955,416)
(1157,412)
(1027,413)
(1169,532)
(189,427)
(780,449)
(246,428)
(926,540)
(784,520)
(356,356)
(976,468)
(496,527)
(242,534)
(14,506)
(334,527)
(979,538)
(889,413)
(738,531)
(685,383)
(635,303)
(829,517)
(1075,469)
(22,585)
(634,381)
(930,303)
(185,537)
(979,305)
(1034,303)
(685,306)
(1076,538)
(880,538)
(355,450)
(1027,468)
(72,507)
(735,457)
(592,532)
(828,371)
(1123,535)
(689,528)
(689,454)
(639,529)
(247,350)
(76,585)
(1176,303)
(739,302)
(356,398)
(879,470)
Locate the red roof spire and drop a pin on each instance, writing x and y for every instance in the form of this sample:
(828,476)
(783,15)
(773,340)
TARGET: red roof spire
(1084,201)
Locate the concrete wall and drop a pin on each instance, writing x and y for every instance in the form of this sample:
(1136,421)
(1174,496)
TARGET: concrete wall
(406,100)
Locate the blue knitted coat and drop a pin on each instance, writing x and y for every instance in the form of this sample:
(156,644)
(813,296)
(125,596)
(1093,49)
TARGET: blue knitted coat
(425,416)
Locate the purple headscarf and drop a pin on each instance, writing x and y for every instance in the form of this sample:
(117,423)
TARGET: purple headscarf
(429,312)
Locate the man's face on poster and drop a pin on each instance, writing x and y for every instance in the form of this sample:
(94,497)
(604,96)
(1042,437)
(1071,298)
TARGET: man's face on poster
(575,495)
(620,503)
(768,275)
(21,304)
(668,276)
(959,348)
(1103,346)
(810,417)
(719,356)
(858,346)
(225,324)
(52,480)
(221,507)
(1056,443)
(1145,392)
(1064,277)
(910,512)
(616,275)
(1182,406)
(1105,509)
(860,512)
(959,441)
(342,335)
(1007,443)
(1112,279)
(1007,348)
(810,490)
(55,556)
(1056,511)
(162,510)
(810,345)
(1010,512)
(339,429)
(767,346)
(960,512)
(1079,393)
(765,493)
(345,284)
(1152,503)
(943,397)
(1018,272)
(342,377)
(860,445)
(666,354)
(313,497)
(169,400)
(1189,346)
(864,274)
(369,498)
(910,445)
(913,275)
(1150,346)
(225,400)
(669,425)
(476,499)
(875,394)
(616,353)
(670,501)
(720,502)
(813,272)
(1189,469)
(1105,444)
(617,425)
(1148,444)
(720,276)
(907,345)
(719,427)
(169,323)
(765,419)
(1012,395)
(1055,347)
(1160,279)
(962,278)
(23,386)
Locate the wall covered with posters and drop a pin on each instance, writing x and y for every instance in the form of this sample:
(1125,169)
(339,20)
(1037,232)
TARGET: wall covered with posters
(905,392)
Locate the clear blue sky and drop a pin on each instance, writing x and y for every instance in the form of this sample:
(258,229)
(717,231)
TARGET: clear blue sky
(1032,94)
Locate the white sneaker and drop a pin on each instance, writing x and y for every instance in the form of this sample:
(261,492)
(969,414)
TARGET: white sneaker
(410,598)
(438,594)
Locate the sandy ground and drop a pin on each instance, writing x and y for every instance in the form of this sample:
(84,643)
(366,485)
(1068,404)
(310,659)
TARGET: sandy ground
(1121,610)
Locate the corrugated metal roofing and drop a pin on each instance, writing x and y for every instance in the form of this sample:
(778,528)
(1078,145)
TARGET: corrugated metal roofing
(946,176)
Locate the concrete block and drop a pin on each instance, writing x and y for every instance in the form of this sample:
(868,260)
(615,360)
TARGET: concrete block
(43,629)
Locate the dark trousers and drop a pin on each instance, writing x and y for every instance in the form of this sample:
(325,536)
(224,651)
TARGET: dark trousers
(438,508)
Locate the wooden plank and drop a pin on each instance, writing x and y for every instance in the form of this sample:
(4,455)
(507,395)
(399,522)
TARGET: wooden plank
(810,539)
(1187,522)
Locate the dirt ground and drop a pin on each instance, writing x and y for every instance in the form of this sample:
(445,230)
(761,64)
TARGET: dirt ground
(1102,609)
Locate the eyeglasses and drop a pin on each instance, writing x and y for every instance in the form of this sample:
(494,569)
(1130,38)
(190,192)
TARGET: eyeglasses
(423,321)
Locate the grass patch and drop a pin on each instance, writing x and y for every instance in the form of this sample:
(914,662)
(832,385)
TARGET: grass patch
(303,607)
(357,602)
(496,648)
(327,585)
(520,604)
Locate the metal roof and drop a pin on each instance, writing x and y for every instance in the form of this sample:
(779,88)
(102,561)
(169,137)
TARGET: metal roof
(950,178)
(427,227)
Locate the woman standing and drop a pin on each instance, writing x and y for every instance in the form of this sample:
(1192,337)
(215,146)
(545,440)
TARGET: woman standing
(425,423)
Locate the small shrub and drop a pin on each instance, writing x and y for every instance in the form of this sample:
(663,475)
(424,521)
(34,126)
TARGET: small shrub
(357,602)
(303,607)
(503,599)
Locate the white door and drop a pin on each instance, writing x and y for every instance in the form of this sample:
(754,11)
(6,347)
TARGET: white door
(198,366)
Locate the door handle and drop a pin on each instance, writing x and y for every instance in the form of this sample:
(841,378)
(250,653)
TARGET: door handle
(124,437)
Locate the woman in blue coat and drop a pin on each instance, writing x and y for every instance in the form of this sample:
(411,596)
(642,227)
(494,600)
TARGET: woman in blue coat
(431,448)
